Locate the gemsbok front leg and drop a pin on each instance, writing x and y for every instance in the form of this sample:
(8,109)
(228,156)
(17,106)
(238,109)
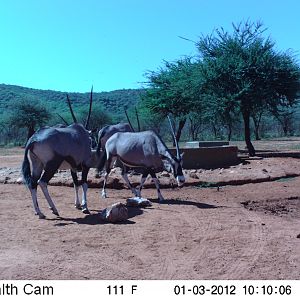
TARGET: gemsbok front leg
(84,174)
(107,171)
(76,188)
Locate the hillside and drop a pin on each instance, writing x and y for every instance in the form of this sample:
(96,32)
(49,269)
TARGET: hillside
(113,102)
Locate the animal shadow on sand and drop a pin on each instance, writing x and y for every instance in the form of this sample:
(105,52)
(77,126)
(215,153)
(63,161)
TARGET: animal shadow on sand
(186,202)
(95,218)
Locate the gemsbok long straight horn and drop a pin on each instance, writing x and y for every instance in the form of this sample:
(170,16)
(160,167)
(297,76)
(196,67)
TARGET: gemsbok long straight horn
(174,138)
(90,110)
(137,119)
(132,129)
(66,123)
(71,110)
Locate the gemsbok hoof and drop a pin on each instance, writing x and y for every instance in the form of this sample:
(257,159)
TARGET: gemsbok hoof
(85,211)
(54,211)
(41,216)
(78,206)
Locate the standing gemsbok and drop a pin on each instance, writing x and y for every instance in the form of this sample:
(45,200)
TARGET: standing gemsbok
(107,131)
(144,151)
(51,147)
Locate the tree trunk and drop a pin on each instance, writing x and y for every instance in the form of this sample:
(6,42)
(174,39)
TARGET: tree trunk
(246,117)
(285,128)
(191,129)
(229,132)
(215,131)
(256,131)
(256,121)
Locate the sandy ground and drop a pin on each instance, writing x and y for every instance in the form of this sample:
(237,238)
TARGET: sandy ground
(243,231)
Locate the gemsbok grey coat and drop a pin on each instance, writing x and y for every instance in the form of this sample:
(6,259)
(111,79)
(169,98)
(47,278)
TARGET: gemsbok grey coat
(143,150)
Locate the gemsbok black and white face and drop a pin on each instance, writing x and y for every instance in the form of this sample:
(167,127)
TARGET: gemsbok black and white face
(178,172)
(175,167)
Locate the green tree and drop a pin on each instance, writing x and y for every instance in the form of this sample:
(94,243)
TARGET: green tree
(172,90)
(285,117)
(28,114)
(245,70)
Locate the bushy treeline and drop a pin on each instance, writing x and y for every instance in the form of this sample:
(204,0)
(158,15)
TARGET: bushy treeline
(23,110)
(238,77)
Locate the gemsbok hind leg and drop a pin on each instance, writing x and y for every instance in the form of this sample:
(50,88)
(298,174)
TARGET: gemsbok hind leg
(37,169)
(143,179)
(50,169)
(125,177)
(156,182)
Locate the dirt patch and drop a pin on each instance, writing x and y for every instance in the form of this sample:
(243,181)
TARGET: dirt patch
(289,207)
(251,171)
(197,233)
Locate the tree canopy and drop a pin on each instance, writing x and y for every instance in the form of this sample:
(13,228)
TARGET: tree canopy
(173,90)
(245,72)
(28,114)
(238,73)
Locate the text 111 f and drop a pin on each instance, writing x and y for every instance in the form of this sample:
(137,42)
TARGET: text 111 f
(119,289)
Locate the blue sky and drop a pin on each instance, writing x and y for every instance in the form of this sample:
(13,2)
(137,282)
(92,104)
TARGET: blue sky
(69,45)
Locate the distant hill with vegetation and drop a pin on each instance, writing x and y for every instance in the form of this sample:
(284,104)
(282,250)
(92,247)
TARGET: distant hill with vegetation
(113,102)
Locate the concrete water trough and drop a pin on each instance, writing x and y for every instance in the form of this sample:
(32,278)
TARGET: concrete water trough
(213,155)
(199,144)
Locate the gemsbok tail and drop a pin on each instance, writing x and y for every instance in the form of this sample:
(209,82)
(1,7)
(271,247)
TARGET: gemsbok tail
(102,161)
(26,172)
(100,136)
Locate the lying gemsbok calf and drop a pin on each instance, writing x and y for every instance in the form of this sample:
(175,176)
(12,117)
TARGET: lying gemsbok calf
(142,150)
(50,148)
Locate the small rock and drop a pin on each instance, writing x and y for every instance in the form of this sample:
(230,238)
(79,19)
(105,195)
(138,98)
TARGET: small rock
(115,213)
(298,236)
(194,175)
